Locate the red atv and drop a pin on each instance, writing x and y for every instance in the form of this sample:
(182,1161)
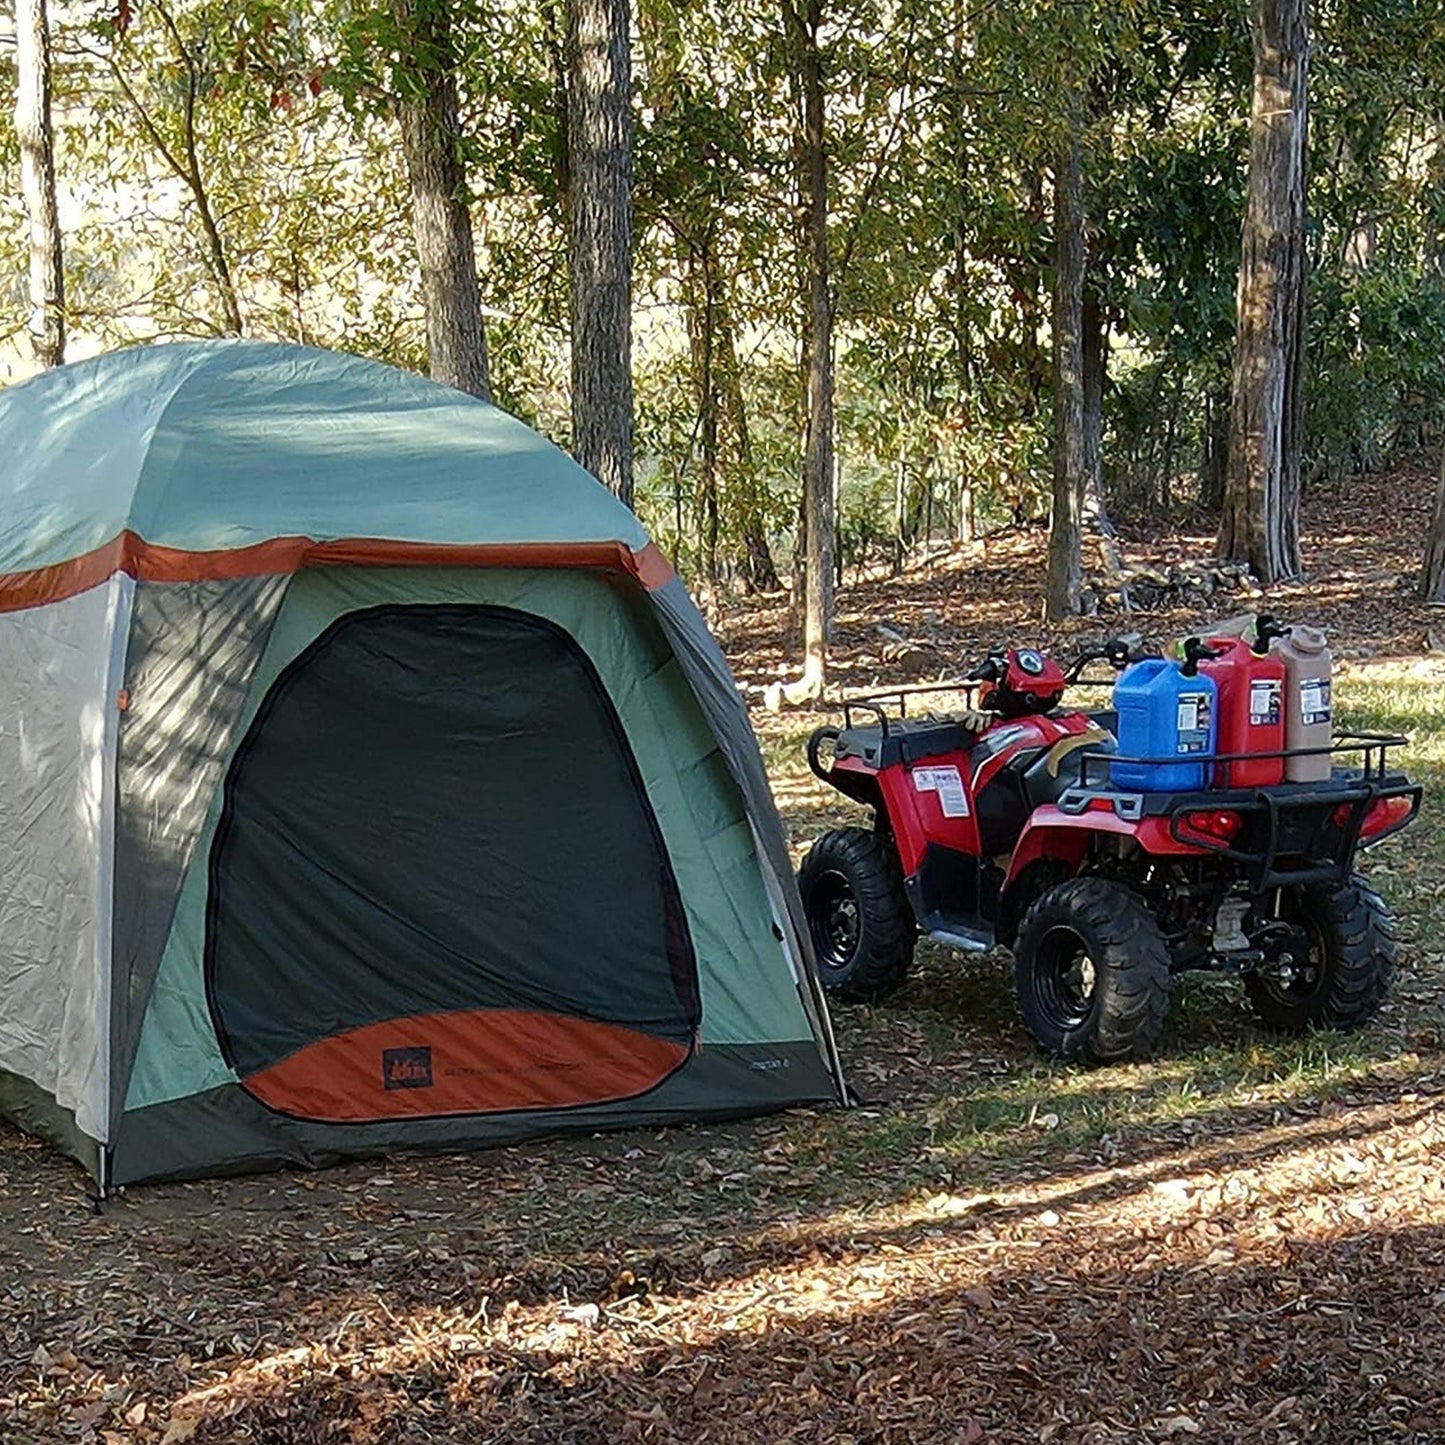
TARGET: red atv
(1002,825)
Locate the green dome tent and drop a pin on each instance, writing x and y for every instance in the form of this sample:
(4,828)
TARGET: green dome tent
(367,782)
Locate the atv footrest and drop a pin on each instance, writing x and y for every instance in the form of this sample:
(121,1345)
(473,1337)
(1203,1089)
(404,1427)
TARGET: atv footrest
(954,898)
(957,933)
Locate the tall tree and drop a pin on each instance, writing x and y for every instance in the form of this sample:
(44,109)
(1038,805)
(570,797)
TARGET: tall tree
(431,140)
(1072,458)
(1094,358)
(1260,521)
(37,178)
(181,149)
(1432,575)
(599,166)
(802,20)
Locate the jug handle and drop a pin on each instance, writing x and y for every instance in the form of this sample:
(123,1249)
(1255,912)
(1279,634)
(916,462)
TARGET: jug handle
(1195,651)
(1266,630)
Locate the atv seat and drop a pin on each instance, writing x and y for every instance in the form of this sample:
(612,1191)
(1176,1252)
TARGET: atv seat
(907,740)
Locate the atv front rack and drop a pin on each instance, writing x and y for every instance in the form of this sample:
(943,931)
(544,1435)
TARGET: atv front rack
(1290,833)
(1372,748)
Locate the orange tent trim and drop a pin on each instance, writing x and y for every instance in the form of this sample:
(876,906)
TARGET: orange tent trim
(475,1061)
(282,556)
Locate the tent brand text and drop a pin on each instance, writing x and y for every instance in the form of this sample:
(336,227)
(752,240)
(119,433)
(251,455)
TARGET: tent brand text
(406,1068)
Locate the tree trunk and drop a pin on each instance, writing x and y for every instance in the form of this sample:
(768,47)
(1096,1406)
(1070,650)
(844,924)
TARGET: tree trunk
(599,151)
(1432,575)
(37,181)
(1027,281)
(964,296)
(899,514)
(1166,468)
(702,339)
(1095,362)
(1065,567)
(1435,242)
(440,216)
(967,510)
(760,573)
(1215,465)
(1260,522)
(802,26)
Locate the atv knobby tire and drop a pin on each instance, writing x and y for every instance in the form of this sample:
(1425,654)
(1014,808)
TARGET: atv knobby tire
(862,926)
(1091,972)
(1351,965)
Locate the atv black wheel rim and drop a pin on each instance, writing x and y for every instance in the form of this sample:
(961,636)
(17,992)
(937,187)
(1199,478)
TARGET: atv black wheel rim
(1293,971)
(1065,979)
(836,922)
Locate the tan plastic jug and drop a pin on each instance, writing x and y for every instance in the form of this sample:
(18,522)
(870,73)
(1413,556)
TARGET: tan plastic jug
(1307,672)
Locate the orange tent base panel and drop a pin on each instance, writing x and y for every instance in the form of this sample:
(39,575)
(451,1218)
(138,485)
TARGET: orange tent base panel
(478,1061)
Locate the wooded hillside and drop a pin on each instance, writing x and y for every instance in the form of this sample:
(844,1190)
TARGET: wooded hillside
(941,269)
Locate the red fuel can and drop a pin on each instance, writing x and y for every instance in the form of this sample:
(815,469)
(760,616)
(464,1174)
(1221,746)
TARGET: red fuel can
(1251,711)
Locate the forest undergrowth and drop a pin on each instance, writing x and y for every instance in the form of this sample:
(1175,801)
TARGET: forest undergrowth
(1241,1240)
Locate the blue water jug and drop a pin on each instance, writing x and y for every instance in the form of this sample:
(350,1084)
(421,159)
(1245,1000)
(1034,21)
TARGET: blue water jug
(1166,710)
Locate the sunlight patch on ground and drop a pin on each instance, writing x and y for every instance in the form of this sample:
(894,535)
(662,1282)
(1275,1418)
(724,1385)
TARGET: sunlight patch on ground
(931,1268)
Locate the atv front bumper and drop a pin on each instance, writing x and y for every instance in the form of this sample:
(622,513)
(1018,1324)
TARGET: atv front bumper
(1279,836)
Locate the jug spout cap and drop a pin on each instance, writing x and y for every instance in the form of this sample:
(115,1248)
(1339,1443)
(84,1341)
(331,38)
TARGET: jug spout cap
(1308,639)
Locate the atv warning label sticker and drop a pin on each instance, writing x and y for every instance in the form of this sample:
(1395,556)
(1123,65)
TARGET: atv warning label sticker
(1264,702)
(949,787)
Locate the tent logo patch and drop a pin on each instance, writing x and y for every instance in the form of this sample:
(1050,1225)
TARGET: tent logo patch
(406,1068)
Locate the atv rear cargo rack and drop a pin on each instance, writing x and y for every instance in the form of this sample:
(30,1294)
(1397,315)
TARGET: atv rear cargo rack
(900,738)
(873,702)
(1291,833)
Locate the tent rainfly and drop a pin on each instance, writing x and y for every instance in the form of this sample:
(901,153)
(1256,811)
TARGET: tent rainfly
(368,781)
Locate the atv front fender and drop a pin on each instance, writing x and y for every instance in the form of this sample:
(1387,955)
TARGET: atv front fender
(1052,834)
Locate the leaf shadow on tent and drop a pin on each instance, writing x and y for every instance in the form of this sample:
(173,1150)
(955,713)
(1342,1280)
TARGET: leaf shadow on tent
(197,646)
(427,466)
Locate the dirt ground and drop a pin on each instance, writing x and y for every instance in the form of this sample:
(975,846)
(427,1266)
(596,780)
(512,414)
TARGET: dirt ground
(1243,1240)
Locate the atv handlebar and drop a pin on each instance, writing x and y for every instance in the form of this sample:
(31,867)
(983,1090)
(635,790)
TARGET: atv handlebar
(992,668)
(1116,652)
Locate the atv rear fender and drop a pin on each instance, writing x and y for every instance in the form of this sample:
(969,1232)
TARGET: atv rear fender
(905,805)
(1288,835)
(853,778)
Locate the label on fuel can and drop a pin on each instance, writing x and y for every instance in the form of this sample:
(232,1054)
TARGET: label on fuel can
(1264,702)
(1192,722)
(1314,700)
